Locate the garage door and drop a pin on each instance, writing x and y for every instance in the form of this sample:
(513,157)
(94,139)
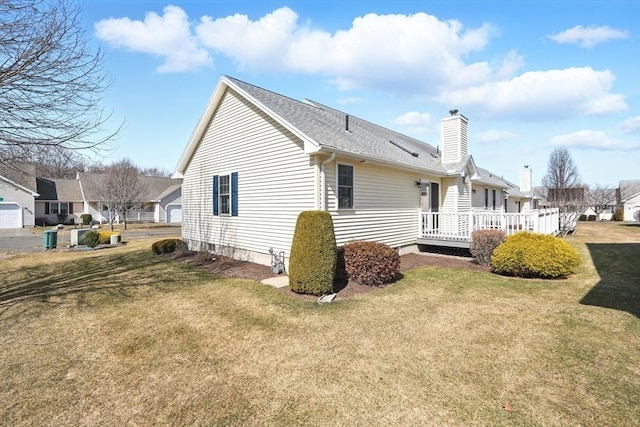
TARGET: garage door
(10,215)
(174,213)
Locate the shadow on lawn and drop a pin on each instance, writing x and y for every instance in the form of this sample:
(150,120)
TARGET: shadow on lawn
(619,271)
(116,275)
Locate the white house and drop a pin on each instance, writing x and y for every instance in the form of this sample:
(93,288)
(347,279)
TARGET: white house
(17,204)
(256,159)
(628,196)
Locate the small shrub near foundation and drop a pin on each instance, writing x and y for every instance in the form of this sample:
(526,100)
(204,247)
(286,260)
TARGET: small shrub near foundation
(535,255)
(371,263)
(312,264)
(483,243)
(87,219)
(166,246)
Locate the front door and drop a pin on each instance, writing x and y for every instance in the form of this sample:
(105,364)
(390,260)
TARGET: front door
(430,202)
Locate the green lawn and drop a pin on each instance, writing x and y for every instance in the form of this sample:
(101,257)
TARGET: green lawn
(120,337)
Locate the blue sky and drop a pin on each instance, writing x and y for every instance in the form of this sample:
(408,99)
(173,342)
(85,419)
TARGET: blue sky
(529,75)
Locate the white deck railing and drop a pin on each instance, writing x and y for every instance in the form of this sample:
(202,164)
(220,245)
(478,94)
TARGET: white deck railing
(459,226)
(140,216)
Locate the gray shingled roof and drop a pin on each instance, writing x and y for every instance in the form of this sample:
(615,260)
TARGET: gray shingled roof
(66,190)
(24,175)
(629,188)
(327,127)
(489,178)
(155,186)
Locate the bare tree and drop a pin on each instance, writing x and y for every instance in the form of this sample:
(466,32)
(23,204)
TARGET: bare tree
(600,197)
(564,188)
(121,190)
(154,171)
(51,82)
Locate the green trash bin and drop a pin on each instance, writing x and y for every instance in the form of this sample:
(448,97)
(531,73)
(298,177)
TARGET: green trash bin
(49,239)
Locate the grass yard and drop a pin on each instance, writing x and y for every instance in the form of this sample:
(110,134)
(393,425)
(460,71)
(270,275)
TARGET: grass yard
(121,337)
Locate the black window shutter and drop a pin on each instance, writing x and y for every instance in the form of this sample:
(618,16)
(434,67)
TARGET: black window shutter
(70,207)
(234,194)
(215,194)
(46,208)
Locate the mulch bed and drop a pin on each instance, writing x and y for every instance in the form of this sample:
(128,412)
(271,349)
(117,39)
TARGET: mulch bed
(228,267)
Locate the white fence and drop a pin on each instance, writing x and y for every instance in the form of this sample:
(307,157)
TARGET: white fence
(459,226)
(140,216)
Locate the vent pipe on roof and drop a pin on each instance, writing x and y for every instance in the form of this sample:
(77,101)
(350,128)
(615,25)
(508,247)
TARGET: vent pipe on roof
(346,123)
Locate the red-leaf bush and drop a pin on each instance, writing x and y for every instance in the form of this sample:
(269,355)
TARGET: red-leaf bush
(483,243)
(371,263)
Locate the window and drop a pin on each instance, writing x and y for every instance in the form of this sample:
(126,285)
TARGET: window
(55,208)
(345,187)
(225,194)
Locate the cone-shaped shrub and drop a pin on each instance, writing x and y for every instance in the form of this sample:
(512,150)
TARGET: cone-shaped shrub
(535,255)
(312,264)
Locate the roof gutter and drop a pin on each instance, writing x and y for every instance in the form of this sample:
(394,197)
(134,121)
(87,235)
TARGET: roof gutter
(323,182)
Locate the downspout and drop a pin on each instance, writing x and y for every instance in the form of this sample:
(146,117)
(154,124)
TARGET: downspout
(323,183)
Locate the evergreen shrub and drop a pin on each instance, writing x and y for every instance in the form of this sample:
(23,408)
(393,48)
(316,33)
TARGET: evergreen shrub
(92,239)
(166,246)
(619,215)
(535,255)
(312,264)
(105,236)
(87,219)
(371,263)
(483,243)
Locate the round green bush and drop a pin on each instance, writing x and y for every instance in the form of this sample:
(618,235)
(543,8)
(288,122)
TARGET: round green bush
(87,219)
(92,239)
(165,246)
(312,264)
(371,263)
(535,255)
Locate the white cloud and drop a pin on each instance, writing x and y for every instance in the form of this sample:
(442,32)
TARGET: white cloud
(253,44)
(588,36)
(413,118)
(590,139)
(569,92)
(416,123)
(631,125)
(492,136)
(381,51)
(168,36)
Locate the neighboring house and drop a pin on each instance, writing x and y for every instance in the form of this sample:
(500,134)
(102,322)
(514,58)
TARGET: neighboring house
(628,198)
(162,203)
(60,201)
(17,204)
(256,159)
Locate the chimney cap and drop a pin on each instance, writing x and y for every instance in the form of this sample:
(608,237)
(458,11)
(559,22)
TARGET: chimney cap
(453,112)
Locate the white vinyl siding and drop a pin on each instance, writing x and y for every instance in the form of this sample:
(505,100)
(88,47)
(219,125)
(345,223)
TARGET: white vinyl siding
(276,180)
(386,202)
(13,194)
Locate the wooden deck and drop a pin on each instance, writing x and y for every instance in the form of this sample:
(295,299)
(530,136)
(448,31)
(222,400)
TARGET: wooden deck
(454,229)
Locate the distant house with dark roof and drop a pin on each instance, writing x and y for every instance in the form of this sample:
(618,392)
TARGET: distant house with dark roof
(628,198)
(163,202)
(256,159)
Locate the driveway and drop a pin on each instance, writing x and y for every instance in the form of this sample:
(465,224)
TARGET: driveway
(30,239)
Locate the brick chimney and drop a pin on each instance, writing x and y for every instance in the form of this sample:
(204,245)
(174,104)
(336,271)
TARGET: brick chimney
(454,137)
